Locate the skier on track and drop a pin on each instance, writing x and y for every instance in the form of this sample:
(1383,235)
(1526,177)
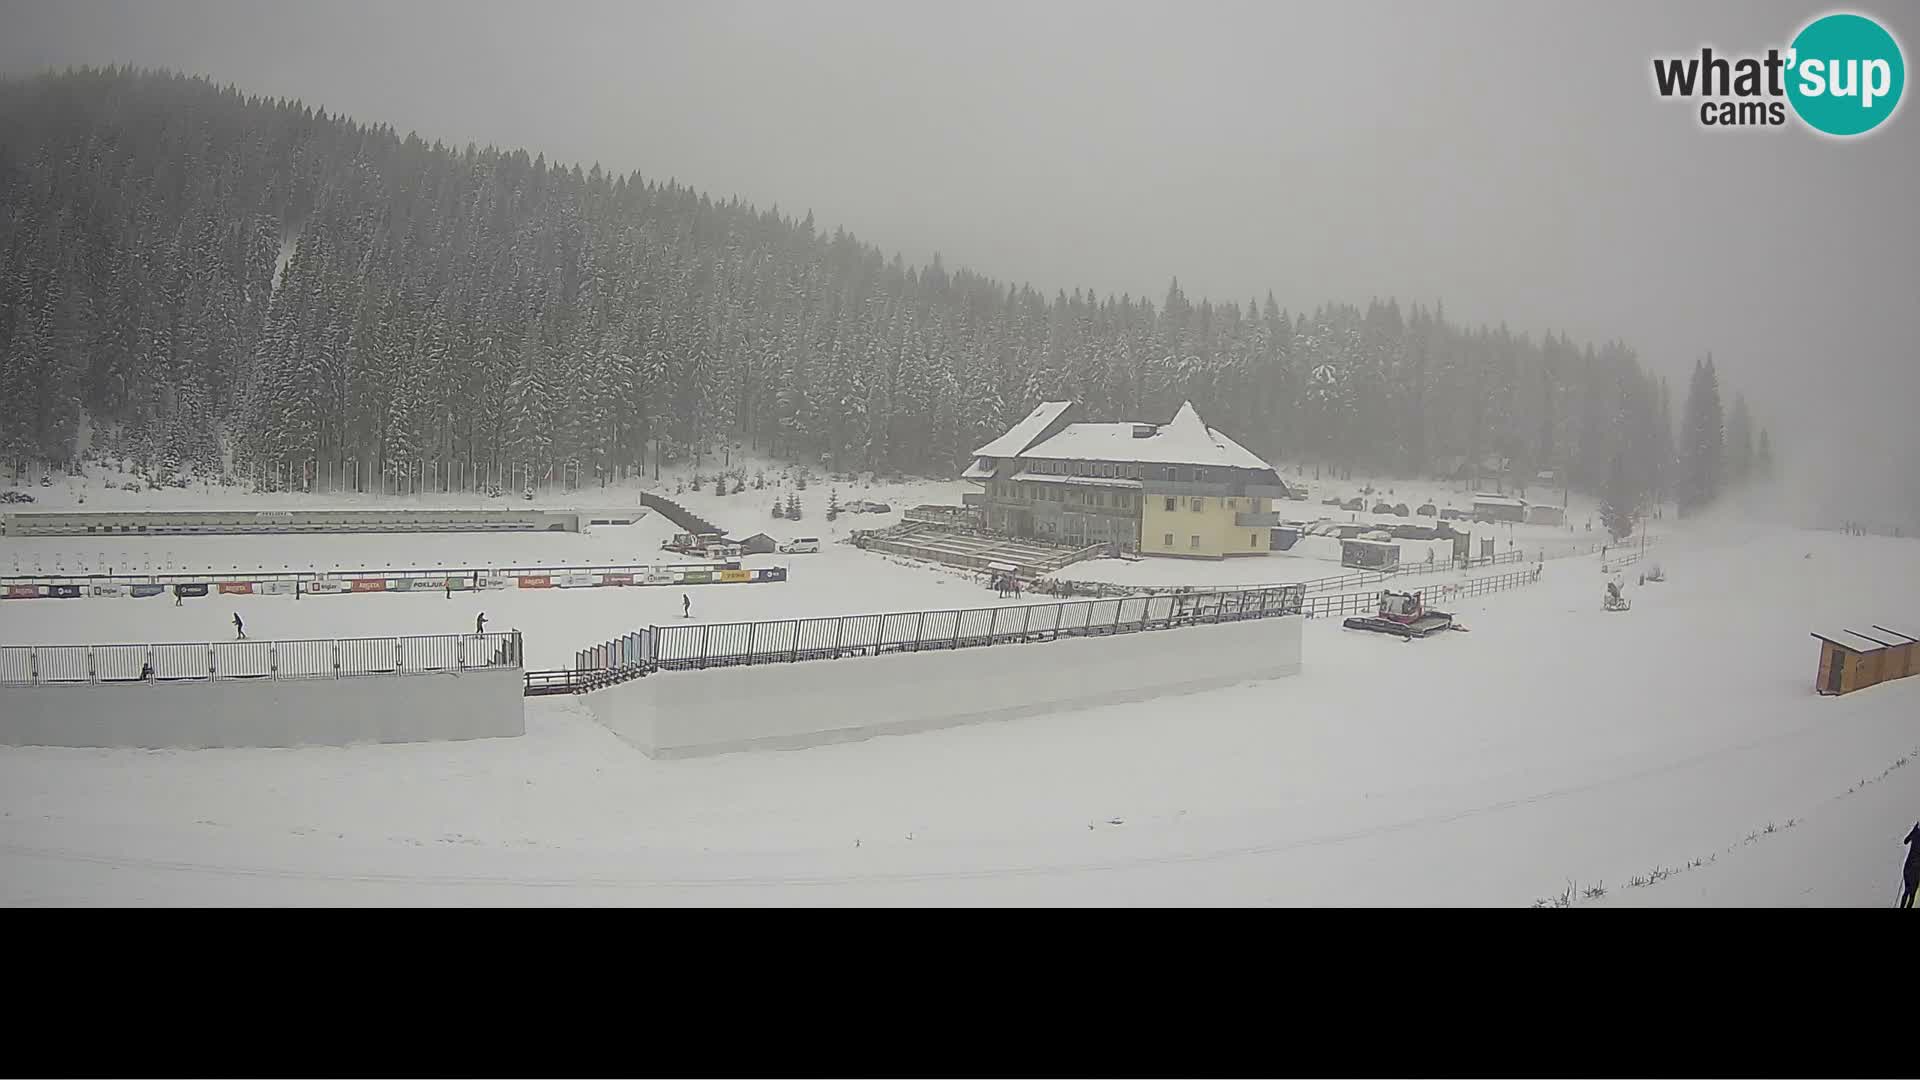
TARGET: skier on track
(686,606)
(480,623)
(239,628)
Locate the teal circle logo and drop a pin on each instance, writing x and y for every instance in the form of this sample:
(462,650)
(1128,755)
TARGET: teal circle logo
(1845,74)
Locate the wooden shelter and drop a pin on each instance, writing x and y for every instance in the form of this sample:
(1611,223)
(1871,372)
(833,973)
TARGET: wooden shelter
(1854,660)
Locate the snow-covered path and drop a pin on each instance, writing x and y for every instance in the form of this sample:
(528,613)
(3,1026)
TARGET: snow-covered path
(1553,742)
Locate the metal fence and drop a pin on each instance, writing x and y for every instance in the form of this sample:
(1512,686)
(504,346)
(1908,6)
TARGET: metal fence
(207,661)
(679,648)
(1365,603)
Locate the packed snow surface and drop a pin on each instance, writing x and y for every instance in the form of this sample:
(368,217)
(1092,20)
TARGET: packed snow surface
(1554,743)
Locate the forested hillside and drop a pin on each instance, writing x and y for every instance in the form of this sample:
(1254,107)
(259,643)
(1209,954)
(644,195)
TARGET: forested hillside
(217,281)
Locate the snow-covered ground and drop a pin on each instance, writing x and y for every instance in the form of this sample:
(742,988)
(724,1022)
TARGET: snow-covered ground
(1554,742)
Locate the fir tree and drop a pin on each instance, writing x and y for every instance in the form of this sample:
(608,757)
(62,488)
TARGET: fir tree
(1618,509)
(1702,440)
(1740,451)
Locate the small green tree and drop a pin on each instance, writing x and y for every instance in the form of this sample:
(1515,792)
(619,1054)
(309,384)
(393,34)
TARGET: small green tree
(793,507)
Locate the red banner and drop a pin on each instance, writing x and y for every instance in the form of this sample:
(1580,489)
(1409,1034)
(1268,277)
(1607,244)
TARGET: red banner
(374,584)
(616,579)
(536,583)
(236,587)
(19,591)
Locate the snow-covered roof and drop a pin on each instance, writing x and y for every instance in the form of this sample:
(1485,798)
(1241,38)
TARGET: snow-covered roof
(1091,481)
(1020,435)
(1184,440)
(976,472)
(1496,500)
(1849,639)
(1895,633)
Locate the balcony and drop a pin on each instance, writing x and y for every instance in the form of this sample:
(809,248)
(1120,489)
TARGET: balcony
(1228,489)
(1257,519)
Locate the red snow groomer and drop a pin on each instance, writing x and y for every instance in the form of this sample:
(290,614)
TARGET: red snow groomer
(1403,614)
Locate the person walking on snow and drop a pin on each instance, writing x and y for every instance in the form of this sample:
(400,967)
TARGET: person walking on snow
(179,599)
(1910,874)
(239,628)
(686,606)
(480,623)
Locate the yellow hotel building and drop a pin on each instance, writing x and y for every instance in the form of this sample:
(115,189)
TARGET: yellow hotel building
(1180,488)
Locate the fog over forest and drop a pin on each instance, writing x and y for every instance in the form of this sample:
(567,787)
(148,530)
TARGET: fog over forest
(1335,157)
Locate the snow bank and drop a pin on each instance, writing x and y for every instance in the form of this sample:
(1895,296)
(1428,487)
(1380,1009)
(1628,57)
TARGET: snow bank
(288,712)
(784,706)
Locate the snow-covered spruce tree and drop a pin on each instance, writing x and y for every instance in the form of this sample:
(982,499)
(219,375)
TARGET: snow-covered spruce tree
(1702,441)
(1740,452)
(793,507)
(1618,509)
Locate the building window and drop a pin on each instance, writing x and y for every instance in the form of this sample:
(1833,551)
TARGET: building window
(1171,507)
(1233,504)
(1194,542)
(1253,540)
(1167,541)
(1198,504)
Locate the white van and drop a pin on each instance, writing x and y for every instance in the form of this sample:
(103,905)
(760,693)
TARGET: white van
(800,544)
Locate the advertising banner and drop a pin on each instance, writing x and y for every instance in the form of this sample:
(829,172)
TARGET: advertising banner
(541,582)
(146,590)
(370,584)
(236,588)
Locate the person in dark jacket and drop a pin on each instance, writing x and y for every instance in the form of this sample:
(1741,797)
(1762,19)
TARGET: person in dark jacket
(239,628)
(686,606)
(480,624)
(1911,873)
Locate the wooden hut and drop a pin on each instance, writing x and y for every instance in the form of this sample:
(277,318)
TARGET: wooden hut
(1903,656)
(1852,660)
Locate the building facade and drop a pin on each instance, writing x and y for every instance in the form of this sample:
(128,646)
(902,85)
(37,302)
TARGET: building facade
(1178,489)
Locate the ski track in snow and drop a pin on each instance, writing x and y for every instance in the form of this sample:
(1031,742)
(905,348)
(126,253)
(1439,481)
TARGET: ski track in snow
(1556,742)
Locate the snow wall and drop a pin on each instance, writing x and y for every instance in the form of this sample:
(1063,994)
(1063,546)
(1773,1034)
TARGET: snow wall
(476,704)
(785,706)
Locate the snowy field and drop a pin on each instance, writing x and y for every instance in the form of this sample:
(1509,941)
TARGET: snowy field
(1553,743)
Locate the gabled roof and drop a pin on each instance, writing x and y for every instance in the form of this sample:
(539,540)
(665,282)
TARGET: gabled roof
(1184,440)
(1495,500)
(1021,435)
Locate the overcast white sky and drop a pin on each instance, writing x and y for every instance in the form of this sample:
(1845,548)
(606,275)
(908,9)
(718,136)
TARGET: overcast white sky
(1509,159)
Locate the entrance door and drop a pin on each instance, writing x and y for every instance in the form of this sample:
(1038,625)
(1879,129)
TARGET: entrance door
(1834,671)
